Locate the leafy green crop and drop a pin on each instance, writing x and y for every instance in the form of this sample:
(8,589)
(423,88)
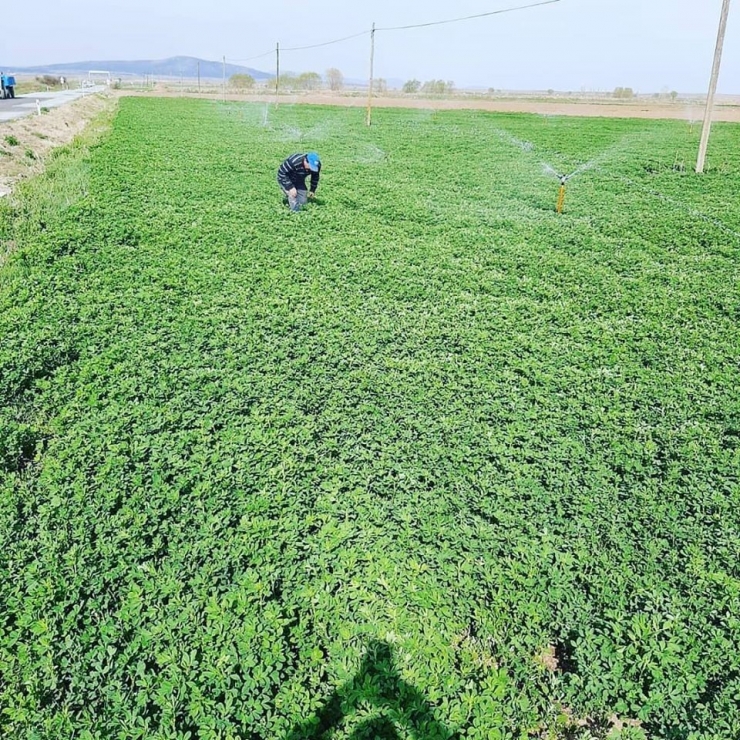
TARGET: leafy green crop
(423,460)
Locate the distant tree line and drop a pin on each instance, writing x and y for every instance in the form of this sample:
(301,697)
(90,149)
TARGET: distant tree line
(242,81)
(623,93)
(431,87)
(333,79)
(288,81)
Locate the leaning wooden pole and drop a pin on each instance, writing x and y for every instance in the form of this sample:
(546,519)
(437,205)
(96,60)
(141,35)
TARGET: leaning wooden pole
(277,73)
(370,84)
(713,88)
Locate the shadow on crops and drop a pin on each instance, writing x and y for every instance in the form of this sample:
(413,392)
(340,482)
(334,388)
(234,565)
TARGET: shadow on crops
(397,709)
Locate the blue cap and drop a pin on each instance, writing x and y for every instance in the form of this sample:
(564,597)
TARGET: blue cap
(313,161)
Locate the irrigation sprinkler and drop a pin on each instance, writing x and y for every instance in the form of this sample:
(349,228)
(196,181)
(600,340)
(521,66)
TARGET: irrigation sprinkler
(564,179)
(550,170)
(561,194)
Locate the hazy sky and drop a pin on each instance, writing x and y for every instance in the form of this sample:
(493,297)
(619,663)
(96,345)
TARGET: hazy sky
(648,45)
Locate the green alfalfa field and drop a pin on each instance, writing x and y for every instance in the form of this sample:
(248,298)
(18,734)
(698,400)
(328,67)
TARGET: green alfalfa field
(426,460)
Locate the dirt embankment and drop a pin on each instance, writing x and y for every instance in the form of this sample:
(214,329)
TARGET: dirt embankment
(25,143)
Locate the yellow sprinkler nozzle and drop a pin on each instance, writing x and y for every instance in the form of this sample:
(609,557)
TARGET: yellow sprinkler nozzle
(561,195)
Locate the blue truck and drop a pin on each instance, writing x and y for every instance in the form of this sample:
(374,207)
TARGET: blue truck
(7,86)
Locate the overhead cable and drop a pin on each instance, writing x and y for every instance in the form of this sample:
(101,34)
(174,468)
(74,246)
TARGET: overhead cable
(249,59)
(469,17)
(326,43)
(401,28)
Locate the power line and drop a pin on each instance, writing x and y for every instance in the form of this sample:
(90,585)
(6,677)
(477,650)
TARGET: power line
(328,43)
(399,28)
(249,59)
(301,48)
(469,17)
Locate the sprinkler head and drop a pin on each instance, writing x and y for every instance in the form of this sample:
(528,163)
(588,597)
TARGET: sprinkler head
(563,179)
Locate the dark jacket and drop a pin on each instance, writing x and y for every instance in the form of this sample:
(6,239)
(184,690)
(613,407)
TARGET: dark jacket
(292,174)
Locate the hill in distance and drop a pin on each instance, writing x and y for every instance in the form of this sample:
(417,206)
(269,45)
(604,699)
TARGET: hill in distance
(172,67)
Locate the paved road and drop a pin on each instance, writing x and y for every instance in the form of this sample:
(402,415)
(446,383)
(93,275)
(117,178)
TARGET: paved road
(25,105)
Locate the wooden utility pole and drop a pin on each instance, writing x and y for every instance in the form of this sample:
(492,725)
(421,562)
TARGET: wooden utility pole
(713,87)
(370,85)
(223,83)
(198,76)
